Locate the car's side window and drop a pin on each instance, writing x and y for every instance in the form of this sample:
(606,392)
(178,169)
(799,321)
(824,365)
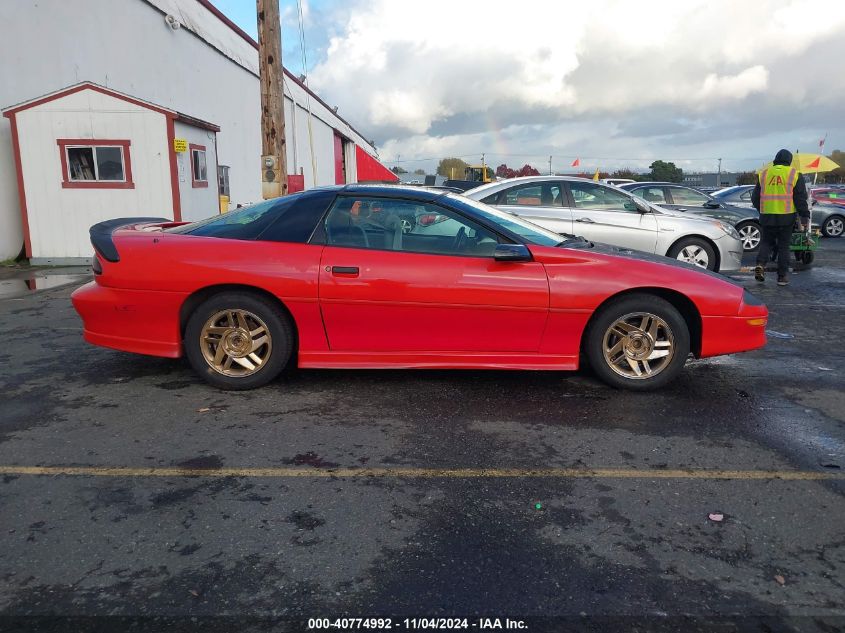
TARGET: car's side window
(687,196)
(746,195)
(402,225)
(652,194)
(535,194)
(588,195)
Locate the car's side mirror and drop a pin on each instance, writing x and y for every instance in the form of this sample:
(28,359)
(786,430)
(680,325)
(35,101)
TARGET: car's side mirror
(711,204)
(512,253)
(637,204)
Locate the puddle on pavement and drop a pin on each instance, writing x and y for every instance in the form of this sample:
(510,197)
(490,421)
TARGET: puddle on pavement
(18,287)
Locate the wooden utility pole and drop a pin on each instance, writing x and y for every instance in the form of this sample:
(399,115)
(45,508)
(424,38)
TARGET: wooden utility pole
(274,180)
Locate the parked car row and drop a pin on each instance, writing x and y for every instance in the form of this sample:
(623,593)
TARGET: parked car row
(607,214)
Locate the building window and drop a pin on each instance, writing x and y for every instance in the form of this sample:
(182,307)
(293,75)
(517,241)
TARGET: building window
(95,164)
(199,167)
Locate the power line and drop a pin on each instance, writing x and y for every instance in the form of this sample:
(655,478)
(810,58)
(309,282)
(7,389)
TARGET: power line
(582,157)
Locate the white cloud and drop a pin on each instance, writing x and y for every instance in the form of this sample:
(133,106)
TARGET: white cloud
(739,86)
(443,73)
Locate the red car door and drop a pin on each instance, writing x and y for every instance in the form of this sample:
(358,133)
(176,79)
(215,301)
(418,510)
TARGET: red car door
(379,292)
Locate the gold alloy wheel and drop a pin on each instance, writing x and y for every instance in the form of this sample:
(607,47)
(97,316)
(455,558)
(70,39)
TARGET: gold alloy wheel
(235,343)
(638,345)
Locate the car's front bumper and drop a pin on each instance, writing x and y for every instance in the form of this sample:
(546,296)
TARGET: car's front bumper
(730,254)
(730,334)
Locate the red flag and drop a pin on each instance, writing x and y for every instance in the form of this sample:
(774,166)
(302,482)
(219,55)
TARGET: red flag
(576,162)
(815,163)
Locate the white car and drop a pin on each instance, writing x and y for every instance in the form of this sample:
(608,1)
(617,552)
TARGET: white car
(603,213)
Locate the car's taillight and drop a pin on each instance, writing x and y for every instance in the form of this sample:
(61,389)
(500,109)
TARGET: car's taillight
(97,265)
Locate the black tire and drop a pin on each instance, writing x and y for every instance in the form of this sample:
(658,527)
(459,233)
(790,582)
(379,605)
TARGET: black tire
(278,325)
(693,244)
(747,230)
(607,316)
(806,257)
(833,226)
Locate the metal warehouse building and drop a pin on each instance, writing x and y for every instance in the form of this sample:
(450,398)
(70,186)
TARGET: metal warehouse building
(143,107)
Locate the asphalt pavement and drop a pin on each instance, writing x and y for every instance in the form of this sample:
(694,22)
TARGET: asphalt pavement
(132,491)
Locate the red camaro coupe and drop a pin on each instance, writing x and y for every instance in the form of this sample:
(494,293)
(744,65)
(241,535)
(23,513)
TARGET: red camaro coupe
(390,277)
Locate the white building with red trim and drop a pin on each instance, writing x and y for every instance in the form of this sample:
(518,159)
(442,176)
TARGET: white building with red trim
(143,108)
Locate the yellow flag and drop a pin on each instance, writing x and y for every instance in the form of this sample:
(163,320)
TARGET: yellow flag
(596,175)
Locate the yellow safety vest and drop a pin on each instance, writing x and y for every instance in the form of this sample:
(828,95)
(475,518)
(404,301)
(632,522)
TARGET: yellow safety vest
(776,185)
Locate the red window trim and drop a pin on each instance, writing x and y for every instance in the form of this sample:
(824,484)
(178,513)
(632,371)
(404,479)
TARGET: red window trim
(194,182)
(67,183)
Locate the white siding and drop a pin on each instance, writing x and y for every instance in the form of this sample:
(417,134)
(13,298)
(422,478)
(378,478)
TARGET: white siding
(59,218)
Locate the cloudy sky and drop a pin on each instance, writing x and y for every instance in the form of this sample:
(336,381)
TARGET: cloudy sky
(615,83)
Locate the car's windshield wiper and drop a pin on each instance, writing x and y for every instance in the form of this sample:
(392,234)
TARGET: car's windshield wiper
(573,240)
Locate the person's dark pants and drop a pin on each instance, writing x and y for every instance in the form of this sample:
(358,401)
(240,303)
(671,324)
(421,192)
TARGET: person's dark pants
(777,232)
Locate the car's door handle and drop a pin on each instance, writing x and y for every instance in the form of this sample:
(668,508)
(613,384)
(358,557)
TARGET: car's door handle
(585,220)
(344,270)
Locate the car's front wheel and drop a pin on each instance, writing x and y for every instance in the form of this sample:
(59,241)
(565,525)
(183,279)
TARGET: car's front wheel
(750,234)
(696,251)
(834,226)
(638,342)
(238,340)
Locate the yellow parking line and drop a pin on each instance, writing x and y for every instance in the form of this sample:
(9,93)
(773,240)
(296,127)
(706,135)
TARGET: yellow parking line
(421,473)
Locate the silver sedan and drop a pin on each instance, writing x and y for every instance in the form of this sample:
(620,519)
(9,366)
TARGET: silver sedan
(604,213)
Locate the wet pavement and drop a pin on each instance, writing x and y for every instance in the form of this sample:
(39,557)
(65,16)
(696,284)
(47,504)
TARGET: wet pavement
(17,281)
(539,496)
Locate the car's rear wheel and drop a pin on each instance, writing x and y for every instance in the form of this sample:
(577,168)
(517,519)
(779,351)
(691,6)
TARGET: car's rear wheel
(238,340)
(638,342)
(696,251)
(750,234)
(834,226)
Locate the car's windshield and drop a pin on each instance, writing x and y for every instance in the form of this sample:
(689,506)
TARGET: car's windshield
(531,232)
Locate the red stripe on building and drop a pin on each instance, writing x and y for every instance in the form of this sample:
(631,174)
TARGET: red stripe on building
(370,170)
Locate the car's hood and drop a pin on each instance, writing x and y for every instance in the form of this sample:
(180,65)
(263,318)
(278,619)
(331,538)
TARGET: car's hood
(703,223)
(630,253)
(728,211)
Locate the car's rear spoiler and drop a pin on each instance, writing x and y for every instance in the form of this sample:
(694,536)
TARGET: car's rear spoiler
(101,234)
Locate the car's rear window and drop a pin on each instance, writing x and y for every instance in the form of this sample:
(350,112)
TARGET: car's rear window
(288,219)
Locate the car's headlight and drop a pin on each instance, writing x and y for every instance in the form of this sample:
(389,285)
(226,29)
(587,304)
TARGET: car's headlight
(727,228)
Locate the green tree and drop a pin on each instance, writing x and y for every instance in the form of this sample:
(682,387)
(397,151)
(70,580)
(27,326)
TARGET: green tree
(451,168)
(419,172)
(626,173)
(398,170)
(666,172)
(746,178)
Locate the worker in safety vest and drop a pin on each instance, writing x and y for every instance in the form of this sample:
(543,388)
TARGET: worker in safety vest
(779,195)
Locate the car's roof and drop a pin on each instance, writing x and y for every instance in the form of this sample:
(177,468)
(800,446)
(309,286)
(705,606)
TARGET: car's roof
(631,185)
(542,178)
(392,191)
(732,189)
